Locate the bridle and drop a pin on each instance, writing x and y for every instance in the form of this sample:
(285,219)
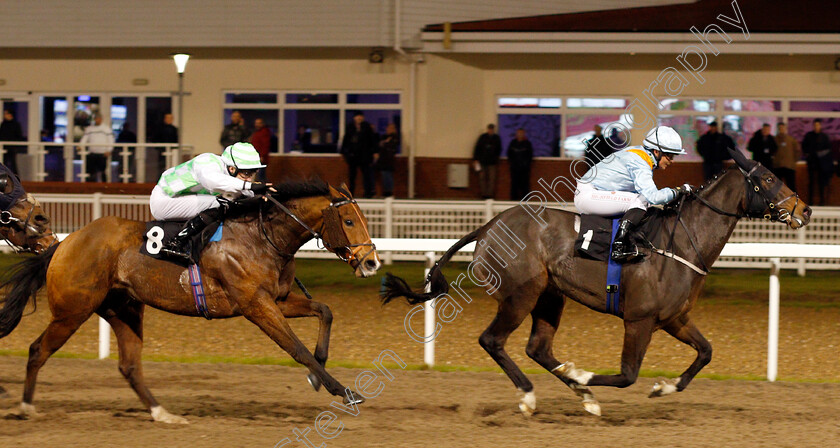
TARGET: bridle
(345,251)
(8,220)
(758,203)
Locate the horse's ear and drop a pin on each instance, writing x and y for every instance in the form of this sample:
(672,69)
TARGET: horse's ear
(740,159)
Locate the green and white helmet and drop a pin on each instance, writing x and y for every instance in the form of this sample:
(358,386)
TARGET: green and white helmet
(242,156)
(665,139)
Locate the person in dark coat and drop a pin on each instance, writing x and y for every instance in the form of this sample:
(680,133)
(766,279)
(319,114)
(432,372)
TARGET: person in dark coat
(597,147)
(486,154)
(712,147)
(763,146)
(11,131)
(520,153)
(155,159)
(817,149)
(357,147)
(235,131)
(386,159)
(126,136)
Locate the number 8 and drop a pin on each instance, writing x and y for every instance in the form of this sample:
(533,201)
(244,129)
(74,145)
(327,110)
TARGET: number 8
(154,240)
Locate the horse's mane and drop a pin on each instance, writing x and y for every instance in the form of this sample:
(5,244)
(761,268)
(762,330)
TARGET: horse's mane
(300,189)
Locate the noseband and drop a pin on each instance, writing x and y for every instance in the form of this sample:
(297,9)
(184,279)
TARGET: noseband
(7,220)
(758,202)
(345,251)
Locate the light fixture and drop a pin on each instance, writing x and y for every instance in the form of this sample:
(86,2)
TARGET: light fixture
(181,60)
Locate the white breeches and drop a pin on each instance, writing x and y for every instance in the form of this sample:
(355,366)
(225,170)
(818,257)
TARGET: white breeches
(182,207)
(606,203)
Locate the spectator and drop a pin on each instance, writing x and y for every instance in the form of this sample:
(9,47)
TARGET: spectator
(357,147)
(155,158)
(126,136)
(817,149)
(386,160)
(261,139)
(485,158)
(235,131)
(520,153)
(10,131)
(101,139)
(303,139)
(597,147)
(786,156)
(763,146)
(712,147)
(617,141)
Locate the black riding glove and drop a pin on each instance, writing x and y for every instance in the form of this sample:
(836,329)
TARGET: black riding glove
(683,190)
(259,187)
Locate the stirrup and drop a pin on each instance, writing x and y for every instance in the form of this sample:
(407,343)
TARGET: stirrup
(173,253)
(624,257)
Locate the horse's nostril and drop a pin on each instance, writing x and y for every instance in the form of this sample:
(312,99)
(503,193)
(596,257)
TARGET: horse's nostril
(370,264)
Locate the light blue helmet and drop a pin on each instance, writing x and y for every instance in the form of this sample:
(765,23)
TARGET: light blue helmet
(242,156)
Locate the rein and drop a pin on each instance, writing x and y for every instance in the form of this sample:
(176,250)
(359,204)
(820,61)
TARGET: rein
(7,220)
(349,248)
(777,213)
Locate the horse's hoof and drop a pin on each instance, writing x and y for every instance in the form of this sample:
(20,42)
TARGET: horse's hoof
(159,414)
(569,371)
(27,411)
(314,381)
(592,407)
(663,387)
(528,404)
(352,398)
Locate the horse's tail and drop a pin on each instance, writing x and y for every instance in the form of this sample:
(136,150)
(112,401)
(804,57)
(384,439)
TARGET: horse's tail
(396,287)
(24,279)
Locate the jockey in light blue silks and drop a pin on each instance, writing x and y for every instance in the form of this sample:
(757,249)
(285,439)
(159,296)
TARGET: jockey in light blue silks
(623,183)
(192,191)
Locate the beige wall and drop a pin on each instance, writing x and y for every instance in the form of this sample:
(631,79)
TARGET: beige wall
(456,95)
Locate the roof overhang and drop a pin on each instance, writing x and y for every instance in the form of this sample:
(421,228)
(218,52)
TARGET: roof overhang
(626,42)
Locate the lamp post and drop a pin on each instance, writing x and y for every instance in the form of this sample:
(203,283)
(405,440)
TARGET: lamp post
(181,60)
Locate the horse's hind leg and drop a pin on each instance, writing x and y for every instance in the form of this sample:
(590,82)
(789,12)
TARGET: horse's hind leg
(511,313)
(126,319)
(546,317)
(296,305)
(684,330)
(637,336)
(54,336)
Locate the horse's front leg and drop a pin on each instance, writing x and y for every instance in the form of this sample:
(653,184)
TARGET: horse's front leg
(296,305)
(265,314)
(683,329)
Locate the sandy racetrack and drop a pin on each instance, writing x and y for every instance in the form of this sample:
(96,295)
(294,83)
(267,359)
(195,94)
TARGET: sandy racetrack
(87,403)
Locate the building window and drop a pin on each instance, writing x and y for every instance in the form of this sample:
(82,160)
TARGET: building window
(313,122)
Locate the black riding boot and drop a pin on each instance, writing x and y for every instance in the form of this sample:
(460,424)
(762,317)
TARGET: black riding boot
(179,246)
(623,249)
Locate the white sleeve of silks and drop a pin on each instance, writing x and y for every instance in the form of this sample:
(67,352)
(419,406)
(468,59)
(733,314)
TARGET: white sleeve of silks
(210,173)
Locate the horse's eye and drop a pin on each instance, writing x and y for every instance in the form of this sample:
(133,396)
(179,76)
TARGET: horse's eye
(348,222)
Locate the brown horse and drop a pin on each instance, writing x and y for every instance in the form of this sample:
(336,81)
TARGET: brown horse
(23,223)
(99,269)
(657,293)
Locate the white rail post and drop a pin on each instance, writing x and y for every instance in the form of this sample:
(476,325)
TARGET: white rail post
(389,227)
(773,322)
(429,316)
(104,328)
(801,238)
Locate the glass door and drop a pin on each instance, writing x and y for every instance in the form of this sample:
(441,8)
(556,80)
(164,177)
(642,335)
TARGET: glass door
(14,128)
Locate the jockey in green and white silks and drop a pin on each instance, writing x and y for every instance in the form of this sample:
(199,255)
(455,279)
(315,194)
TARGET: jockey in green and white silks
(191,191)
(623,184)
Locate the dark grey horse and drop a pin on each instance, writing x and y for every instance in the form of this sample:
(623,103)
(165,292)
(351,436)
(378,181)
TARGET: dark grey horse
(657,293)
